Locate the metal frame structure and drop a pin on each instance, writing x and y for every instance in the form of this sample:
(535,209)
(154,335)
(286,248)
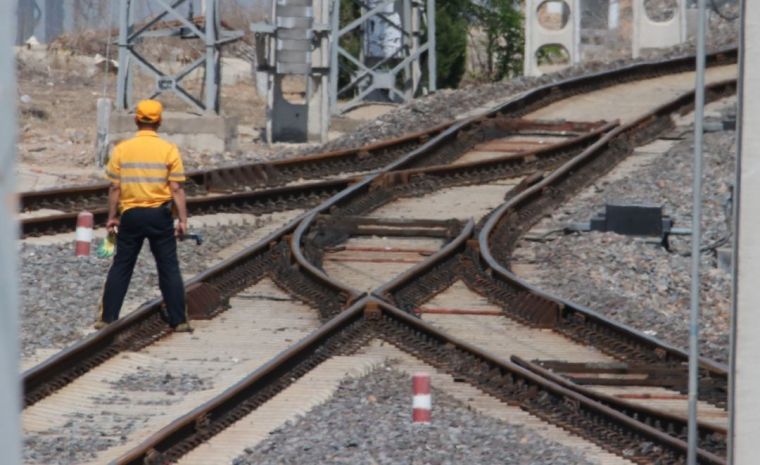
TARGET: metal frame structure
(295,43)
(396,75)
(303,39)
(10,383)
(207,28)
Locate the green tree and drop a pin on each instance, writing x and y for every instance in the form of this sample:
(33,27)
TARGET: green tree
(451,24)
(502,22)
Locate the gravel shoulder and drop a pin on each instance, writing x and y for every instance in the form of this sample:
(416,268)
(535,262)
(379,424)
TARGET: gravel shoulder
(60,292)
(632,279)
(368,422)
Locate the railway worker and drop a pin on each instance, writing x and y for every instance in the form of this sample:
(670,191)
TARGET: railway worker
(146,175)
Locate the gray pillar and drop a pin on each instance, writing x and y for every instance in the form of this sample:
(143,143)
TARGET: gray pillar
(29,14)
(334,26)
(10,391)
(53,19)
(212,61)
(432,63)
(123,83)
(745,386)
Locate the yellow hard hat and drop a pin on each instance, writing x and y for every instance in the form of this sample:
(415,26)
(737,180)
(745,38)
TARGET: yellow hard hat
(148,111)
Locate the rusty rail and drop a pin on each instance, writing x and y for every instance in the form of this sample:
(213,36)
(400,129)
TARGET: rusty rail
(144,326)
(712,438)
(508,222)
(261,174)
(368,318)
(261,201)
(375,156)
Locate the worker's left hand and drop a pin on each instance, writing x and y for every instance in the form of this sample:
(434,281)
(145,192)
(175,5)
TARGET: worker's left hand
(181,229)
(111,225)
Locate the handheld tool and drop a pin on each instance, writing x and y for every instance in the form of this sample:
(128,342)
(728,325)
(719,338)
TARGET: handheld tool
(197,237)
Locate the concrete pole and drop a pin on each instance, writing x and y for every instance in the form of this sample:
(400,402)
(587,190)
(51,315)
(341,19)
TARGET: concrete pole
(744,394)
(10,388)
(334,44)
(212,55)
(432,57)
(123,97)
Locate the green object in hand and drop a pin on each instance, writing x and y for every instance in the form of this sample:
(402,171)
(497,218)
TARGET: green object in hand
(107,246)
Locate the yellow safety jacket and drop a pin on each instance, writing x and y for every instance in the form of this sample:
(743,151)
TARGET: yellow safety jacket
(142,167)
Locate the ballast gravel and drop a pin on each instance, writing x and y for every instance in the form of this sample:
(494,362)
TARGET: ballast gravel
(60,293)
(368,422)
(86,435)
(161,381)
(635,280)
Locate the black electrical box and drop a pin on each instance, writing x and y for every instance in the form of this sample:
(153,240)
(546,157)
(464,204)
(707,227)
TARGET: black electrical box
(632,220)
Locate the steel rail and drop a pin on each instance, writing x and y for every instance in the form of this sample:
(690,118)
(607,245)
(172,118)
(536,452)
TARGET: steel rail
(711,437)
(266,174)
(454,247)
(370,317)
(444,343)
(551,191)
(144,326)
(277,198)
(499,167)
(208,419)
(260,201)
(259,174)
(516,164)
(459,245)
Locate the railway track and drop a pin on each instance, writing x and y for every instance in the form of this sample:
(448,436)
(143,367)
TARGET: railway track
(54,210)
(508,142)
(317,259)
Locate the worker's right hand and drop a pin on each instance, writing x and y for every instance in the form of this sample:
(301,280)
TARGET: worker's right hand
(181,229)
(112,225)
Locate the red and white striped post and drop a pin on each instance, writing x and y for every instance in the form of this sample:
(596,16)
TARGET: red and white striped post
(421,402)
(85,221)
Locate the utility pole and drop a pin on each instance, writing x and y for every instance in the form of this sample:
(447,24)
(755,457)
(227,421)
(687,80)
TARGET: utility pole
(10,389)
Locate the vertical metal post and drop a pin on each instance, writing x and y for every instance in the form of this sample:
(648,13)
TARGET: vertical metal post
(334,39)
(407,39)
(210,37)
(10,387)
(122,94)
(696,240)
(432,65)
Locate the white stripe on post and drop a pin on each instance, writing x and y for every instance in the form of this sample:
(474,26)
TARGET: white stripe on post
(422,401)
(85,222)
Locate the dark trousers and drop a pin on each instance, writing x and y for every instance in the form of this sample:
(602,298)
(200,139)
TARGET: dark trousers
(157,225)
